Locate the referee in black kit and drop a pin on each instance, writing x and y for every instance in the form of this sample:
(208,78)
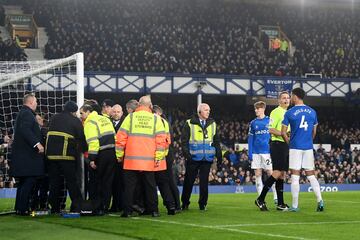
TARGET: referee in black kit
(279,152)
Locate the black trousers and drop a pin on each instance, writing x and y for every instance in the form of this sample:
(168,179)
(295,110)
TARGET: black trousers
(139,193)
(118,189)
(131,180)
(39,195)
(104,175)
(167,186)
(58,170)
(162,180)
(172,181)
(63,193)
(91,183)
(23,193)
(193,168)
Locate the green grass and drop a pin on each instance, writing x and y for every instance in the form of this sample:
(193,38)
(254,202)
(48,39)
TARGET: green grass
(229,216)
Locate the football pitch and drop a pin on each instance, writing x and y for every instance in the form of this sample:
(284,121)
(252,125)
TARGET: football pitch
(229,216)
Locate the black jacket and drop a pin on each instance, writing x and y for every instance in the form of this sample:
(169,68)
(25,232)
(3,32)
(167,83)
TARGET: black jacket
(25,159)
(117,126)
(185,137)
(65,139)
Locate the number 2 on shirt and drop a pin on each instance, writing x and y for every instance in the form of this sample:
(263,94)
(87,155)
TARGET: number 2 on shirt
(303,123)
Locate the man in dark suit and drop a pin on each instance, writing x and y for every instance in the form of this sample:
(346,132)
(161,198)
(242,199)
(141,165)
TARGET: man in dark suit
(27,153)
(116,116)
(39,198)
(118,183)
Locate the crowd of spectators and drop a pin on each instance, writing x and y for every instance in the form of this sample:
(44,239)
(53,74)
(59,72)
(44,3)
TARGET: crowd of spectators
(9,50)
(214,37)
(6,181)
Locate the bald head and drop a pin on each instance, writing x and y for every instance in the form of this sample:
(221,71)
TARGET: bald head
(117,112)
(145,101)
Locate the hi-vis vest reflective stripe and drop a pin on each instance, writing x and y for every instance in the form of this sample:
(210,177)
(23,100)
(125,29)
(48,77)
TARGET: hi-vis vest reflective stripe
(141,138)
(99,134)
(200,142)
(66,138)
(168,137)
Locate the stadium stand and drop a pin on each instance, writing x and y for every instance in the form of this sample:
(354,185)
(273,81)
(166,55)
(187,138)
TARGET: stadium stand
(215,38)
(10,51)
(194,37)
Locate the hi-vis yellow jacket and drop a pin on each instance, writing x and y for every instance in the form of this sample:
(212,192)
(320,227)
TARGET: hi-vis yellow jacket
(200,143)
(99,134)
(201,139)
(167,134)
(141,140)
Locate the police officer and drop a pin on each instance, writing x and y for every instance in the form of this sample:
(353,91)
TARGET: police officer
(200,144)
(64,140)
(100,137)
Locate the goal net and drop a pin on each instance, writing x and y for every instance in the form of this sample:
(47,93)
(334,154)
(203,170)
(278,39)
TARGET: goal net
(54,82)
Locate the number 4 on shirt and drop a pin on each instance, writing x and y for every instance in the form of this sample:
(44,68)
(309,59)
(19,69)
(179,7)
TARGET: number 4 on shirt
(303,123)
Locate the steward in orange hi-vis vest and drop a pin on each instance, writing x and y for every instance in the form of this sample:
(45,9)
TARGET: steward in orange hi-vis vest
(141,140)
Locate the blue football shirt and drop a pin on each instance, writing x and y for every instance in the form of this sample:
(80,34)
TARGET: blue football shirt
(302,120)
(259,136)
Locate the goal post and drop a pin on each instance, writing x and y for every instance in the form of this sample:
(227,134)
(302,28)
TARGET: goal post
(54,82)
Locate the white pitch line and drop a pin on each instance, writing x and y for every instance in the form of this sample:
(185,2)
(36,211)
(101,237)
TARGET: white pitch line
(341,201)
(326,200)
(230,207)
(329,200)
(287,223)
(222,228)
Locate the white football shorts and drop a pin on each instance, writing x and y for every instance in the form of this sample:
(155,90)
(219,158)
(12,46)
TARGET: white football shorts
(299,159)
(261,161)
